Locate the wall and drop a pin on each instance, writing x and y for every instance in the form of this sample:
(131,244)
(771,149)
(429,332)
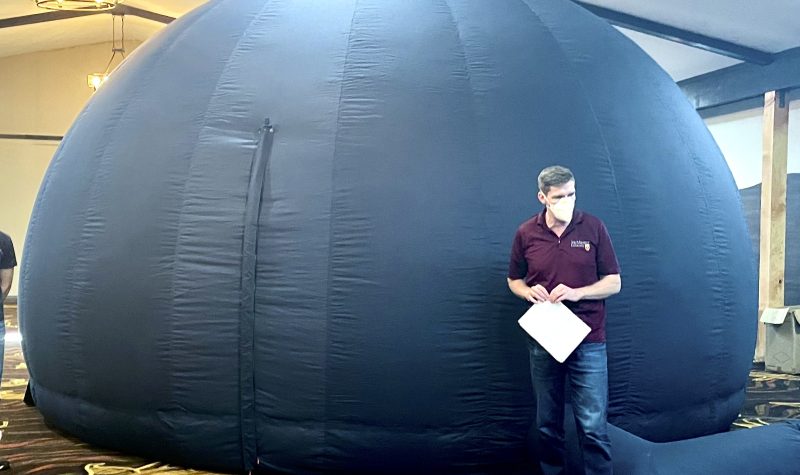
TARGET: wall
(739,136)
(41,94)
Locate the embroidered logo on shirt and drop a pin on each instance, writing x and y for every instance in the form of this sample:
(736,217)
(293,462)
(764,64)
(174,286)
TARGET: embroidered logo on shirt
(584,244)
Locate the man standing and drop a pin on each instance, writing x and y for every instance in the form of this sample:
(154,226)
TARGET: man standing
(8,260)
(565,255)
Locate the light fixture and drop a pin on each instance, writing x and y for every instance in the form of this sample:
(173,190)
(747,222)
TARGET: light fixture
(95,80)
(86,5)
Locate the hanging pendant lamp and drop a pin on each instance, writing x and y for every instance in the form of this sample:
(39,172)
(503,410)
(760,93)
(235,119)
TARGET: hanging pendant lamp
(80,5)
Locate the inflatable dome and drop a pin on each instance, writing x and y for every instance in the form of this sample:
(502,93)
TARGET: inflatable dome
(278,236)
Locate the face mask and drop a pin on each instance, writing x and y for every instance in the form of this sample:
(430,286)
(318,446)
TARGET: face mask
(563,209)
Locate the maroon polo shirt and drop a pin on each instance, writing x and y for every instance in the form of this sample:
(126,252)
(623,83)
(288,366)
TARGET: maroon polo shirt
(578,258)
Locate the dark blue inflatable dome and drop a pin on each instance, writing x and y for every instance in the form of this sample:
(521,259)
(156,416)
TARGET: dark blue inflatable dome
(327,293)
(751,202)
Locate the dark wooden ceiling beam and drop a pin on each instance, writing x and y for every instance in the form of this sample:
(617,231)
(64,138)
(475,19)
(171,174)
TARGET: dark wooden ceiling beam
(65,15)
(45,138)
(743,82)
(141,13)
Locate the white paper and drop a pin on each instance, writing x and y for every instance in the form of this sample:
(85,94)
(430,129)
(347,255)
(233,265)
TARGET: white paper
(555,327)
(775,316)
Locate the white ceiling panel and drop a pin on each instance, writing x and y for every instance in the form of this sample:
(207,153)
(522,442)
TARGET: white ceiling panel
(173,8)
(81,30)
(680,61)
(71,32)
(771,26)
(12,8)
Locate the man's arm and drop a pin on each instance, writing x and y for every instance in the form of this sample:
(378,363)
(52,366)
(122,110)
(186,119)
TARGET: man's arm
(607,286)
(517,268)
(534,294)
(6,278)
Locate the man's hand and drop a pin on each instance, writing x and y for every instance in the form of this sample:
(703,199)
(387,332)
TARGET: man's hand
(537,294)
(562,292)
(6,278)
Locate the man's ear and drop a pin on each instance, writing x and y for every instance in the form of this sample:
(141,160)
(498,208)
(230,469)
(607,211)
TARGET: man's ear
(542,199)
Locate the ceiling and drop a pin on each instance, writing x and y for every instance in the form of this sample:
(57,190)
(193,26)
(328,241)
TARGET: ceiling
(680,61)
(13,8)
(768,26)
(82,30)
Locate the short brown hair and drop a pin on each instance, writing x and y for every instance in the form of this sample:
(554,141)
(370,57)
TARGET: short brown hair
(554,176)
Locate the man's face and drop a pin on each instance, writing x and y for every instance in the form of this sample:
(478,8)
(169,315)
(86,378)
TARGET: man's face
(555,193)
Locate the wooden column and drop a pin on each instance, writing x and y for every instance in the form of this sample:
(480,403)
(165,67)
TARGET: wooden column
(773,208)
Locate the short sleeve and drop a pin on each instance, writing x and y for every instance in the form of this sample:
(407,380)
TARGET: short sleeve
(517,265)
(8,260)
(607,262)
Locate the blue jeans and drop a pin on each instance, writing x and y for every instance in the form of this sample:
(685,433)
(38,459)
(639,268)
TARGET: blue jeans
(2,339)
(586,370)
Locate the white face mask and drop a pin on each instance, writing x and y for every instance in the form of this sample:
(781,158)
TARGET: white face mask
(563,208)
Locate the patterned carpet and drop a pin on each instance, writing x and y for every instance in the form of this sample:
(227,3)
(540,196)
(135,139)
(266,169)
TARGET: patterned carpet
(771,397)
(33,447)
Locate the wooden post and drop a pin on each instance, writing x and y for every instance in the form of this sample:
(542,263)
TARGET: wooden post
(773,208)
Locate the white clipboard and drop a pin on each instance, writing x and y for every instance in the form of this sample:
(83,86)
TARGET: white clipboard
(555,327)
